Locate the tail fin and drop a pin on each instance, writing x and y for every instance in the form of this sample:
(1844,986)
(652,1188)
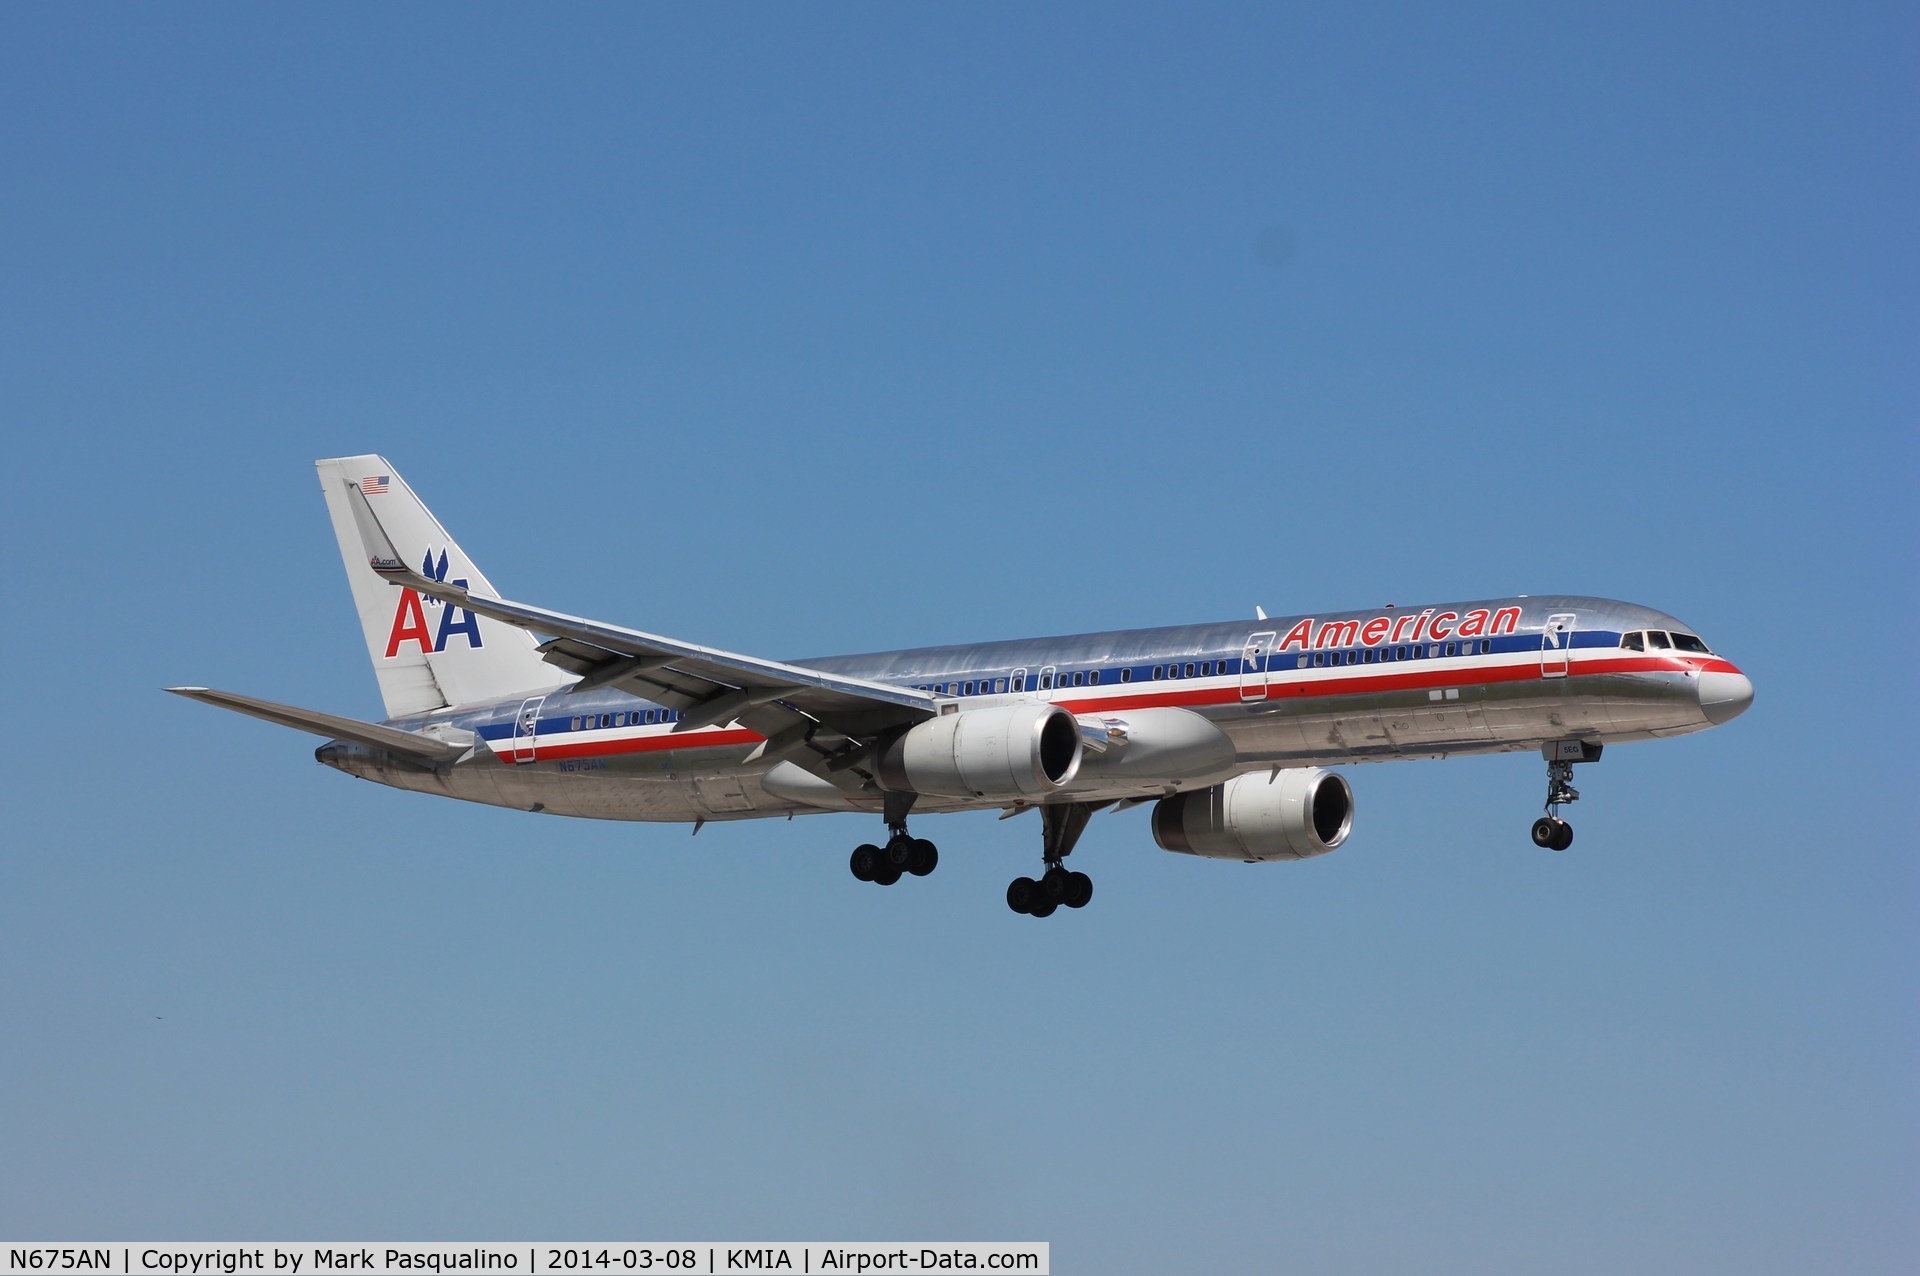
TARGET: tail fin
(426,654)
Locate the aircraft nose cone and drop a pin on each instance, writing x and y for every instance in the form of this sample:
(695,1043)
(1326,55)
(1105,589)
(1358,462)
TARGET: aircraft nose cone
(1724,696)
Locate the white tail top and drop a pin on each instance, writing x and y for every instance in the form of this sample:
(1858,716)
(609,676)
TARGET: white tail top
(426,654)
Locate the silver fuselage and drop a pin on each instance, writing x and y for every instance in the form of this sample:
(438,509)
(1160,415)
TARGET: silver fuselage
(1289,692)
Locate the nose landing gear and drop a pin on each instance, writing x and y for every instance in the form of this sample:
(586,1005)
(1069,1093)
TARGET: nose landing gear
(1550,831)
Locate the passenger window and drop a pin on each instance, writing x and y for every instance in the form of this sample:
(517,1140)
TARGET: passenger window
(1633,642)
(1126,674)
(1657,640)
(1206,669)
(1000,686)
(1046,682)
(1301,662)
(1451,649)
(1369,657)
(968,689)
(1189,672)
(1319,660)
(1020,683)
(1159,672)
(1486,645)
(1093,679)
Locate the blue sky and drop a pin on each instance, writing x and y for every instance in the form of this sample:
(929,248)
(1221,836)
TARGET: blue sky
(811,330)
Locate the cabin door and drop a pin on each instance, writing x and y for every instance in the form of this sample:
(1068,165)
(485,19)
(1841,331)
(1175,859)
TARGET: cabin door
(1253,665)
(1556,641)
(526,730)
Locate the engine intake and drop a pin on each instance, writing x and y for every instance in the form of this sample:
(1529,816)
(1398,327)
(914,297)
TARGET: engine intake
(1266,815)
(1015,751)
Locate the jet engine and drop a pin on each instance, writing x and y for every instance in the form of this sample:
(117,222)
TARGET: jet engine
(1265,815)
(1015,751)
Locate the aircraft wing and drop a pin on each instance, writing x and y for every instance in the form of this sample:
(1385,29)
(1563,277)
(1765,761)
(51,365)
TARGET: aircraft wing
(815,716)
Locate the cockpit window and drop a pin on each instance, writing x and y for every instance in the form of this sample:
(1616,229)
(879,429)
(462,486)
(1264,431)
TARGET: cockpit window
(1687,642)
(1657,639)
(1633,642)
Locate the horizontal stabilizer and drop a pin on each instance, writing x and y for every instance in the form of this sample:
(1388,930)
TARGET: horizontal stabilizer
(409,744)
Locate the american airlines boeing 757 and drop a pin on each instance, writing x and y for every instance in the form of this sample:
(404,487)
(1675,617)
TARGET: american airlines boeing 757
(1225,728)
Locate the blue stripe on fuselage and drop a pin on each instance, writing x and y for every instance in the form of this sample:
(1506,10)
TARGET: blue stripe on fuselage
(586,711)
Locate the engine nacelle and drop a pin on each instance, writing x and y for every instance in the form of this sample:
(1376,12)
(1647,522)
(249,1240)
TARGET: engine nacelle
(1265,815)
(1015,751)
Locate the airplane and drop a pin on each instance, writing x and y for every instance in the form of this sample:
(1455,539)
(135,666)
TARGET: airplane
(1228,729)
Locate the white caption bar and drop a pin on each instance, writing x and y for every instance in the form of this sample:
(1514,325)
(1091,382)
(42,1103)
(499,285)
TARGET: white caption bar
(525,1258)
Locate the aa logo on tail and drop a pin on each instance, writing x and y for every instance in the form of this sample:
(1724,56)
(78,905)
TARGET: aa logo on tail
(410,619)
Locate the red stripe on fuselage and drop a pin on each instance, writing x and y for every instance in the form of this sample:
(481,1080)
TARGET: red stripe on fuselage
(714,739)
(1366,680)
(1391,678)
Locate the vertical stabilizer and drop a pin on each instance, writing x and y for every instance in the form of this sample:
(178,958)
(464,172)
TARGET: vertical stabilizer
(426,654)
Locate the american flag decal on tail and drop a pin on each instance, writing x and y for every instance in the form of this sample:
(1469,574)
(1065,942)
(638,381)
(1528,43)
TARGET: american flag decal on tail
(376,486)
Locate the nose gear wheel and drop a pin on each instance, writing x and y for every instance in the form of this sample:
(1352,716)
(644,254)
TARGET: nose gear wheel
(1550,832)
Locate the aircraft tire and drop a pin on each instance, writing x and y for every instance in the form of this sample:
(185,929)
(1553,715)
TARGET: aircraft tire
(865,858)
(1546,831)
(886,873)
(1053,885)
(1079,890)
(1563,836)
(1042,906)
(922,857)
(1020,892)
(898,852)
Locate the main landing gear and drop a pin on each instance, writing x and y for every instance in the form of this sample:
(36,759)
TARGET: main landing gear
(1062,823)
(1550,831)
(903,852)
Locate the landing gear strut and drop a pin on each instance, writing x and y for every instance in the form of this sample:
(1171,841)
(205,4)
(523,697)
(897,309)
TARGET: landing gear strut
(1550,831)
(903,853)
(1061,826)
